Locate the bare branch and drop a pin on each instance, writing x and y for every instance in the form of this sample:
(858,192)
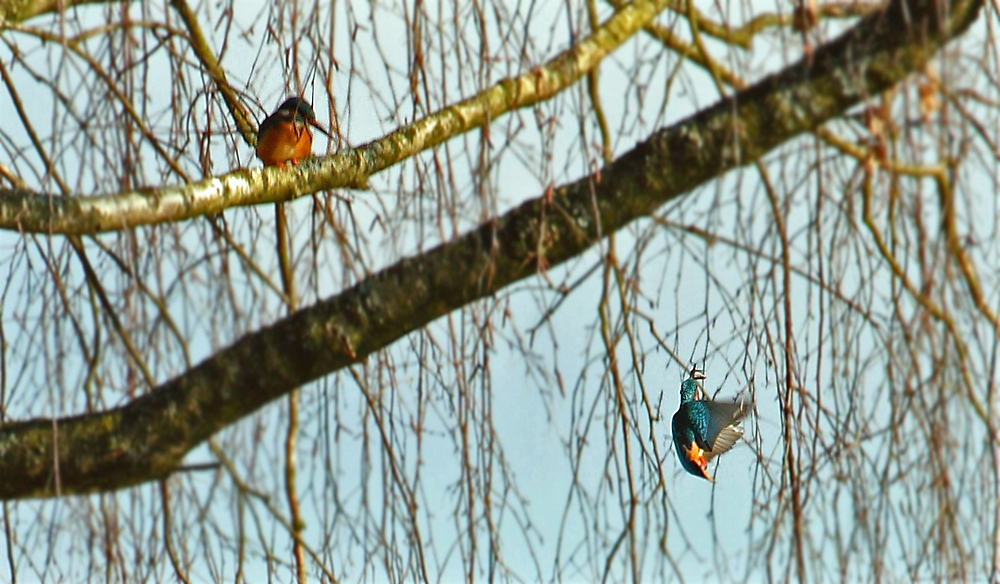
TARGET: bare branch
(31,212)
(148,438)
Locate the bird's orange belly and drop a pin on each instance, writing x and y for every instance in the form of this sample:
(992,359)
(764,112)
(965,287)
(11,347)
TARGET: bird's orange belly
(283,144)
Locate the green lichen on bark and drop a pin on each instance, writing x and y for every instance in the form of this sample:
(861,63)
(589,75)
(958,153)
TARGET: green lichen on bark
(39,213)
(147,438)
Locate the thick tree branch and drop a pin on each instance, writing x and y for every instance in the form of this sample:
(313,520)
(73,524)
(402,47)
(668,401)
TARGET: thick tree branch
(148,438)
(21,10)
(39,213)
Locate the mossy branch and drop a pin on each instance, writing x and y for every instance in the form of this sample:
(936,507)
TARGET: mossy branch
(27,211)
(148,438)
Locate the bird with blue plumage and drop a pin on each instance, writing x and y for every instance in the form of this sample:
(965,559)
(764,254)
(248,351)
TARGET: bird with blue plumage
(704,428)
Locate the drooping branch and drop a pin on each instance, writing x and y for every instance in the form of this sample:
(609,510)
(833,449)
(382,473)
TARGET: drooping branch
(147,439)
(208,60)
(28,211)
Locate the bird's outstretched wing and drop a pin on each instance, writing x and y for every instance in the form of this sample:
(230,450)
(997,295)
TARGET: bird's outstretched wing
(721,428)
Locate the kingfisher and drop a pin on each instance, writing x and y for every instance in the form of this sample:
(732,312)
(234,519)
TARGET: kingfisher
(284,136)
(704,428)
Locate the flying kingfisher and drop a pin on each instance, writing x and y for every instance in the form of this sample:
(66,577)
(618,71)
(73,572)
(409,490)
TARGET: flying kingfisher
(284,136)
(703,428)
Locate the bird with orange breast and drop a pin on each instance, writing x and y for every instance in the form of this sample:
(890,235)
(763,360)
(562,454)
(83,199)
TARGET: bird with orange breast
(704,428)
(284,136)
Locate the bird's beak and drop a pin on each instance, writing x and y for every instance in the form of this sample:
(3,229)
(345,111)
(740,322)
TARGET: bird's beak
(319,127)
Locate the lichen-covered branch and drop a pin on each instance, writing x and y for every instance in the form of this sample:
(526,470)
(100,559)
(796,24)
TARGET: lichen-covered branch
(21,10)
(148,438)
(34,212)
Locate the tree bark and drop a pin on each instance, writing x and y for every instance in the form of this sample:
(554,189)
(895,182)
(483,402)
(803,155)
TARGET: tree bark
(27,211)
(148,438)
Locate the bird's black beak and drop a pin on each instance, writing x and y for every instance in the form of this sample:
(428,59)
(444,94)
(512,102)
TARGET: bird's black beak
(319,127)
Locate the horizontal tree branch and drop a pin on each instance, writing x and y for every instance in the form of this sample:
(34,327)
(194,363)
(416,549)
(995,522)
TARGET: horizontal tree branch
(27,211)
(21,10)
(148,438)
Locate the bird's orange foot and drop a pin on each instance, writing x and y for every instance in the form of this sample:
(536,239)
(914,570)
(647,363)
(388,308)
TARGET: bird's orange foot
(696,455)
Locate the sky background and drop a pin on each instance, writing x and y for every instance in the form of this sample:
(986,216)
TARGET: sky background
(552,457)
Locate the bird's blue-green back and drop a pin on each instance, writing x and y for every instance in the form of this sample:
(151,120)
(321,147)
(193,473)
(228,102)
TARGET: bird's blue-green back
(713,426)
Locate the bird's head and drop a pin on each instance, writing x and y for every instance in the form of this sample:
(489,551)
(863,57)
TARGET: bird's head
(691,387)
(299,110)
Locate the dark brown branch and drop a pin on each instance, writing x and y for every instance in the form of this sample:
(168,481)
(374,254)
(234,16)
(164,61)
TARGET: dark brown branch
(148,438)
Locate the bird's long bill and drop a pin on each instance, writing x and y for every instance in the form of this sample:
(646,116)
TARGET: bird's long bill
(319,127)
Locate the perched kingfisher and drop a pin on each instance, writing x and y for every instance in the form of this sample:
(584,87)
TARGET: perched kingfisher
(703,428)
(284,136)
